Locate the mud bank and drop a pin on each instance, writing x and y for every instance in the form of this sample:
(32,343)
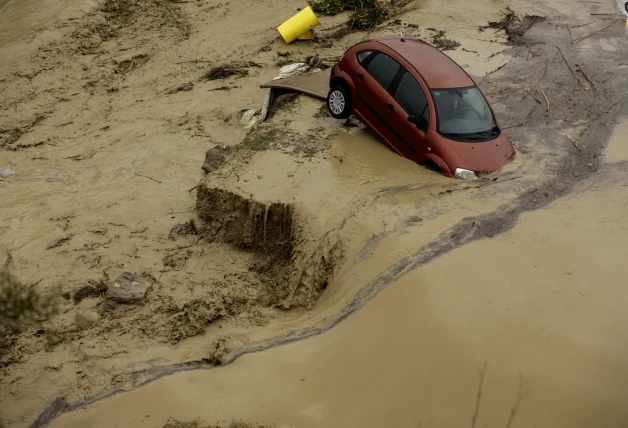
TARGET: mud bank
(246,223)
(271,232)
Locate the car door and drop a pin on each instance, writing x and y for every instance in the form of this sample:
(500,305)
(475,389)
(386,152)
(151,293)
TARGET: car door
(407,111)
(374,77)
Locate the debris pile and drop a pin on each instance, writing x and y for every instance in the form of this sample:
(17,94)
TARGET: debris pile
(367,14)
(228,70)
(513,25)
(441,42)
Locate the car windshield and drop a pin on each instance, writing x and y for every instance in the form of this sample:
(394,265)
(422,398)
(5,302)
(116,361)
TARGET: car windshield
(464,115)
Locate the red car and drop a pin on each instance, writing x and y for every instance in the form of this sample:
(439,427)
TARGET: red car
(421,103)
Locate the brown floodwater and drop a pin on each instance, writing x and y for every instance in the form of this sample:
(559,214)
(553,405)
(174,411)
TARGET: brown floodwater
(535,317)
(538,313)
(618,145)
(20,18)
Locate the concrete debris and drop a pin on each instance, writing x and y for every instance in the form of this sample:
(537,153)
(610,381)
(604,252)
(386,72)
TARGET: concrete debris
(128,288)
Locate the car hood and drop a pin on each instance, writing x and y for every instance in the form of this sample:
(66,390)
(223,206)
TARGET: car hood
(483,157)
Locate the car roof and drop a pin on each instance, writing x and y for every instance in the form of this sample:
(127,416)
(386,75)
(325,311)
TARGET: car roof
(436,68)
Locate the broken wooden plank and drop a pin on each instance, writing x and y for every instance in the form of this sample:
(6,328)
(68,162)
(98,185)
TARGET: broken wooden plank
(314,84)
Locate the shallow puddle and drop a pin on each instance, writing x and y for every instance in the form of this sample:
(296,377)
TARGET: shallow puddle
(617,150)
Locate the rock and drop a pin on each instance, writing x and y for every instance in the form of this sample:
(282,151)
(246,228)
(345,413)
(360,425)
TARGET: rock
(6,172)
(214,158)
(127,288)
(86,318)
(185,87)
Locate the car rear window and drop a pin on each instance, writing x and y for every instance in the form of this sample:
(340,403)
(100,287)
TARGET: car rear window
(411,98)
(383,69)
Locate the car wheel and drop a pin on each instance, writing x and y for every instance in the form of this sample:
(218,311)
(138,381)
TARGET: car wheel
(339,102)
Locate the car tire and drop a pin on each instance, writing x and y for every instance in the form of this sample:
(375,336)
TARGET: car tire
(339,102)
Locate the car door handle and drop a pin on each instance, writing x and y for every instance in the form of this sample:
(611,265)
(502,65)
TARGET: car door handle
(390,107)
(361,77)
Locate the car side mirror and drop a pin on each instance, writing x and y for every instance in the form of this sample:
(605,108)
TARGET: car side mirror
(418,121)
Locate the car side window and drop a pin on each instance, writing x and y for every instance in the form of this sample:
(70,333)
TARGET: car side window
(412,99)
(364,57)
(383,69)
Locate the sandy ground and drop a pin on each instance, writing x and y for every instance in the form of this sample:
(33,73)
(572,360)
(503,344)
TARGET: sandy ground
(106,150)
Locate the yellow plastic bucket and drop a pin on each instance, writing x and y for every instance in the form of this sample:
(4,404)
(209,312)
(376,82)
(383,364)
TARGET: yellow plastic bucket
(299,24)
(308,35)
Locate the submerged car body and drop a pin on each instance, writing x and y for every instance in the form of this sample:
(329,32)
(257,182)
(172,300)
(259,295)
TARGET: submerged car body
(420,103)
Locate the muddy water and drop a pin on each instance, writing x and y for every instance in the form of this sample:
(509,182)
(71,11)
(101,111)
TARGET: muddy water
(21,17)
(411,357)
(543,311)
(618,145)
(359,164)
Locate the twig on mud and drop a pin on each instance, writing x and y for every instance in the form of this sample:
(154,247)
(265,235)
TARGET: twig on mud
(546,100)
(569,31)
(117,224)
(192,189)
(194,60)
(586,77)
(161,273)
(513,411)
(584,25)
(494,71)
(540,80)
(568,66)
(83,156)
(592,34)
(145,176)
(478,397)
(8,260)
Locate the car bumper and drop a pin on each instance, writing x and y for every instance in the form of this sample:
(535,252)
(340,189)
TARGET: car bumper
(481,157)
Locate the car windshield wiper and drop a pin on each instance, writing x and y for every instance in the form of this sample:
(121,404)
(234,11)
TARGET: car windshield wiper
(472,136)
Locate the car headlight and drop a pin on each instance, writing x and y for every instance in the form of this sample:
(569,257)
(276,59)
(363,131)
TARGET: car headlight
(465,174)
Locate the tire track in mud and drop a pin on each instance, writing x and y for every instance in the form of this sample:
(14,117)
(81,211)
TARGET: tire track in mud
(567,168)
